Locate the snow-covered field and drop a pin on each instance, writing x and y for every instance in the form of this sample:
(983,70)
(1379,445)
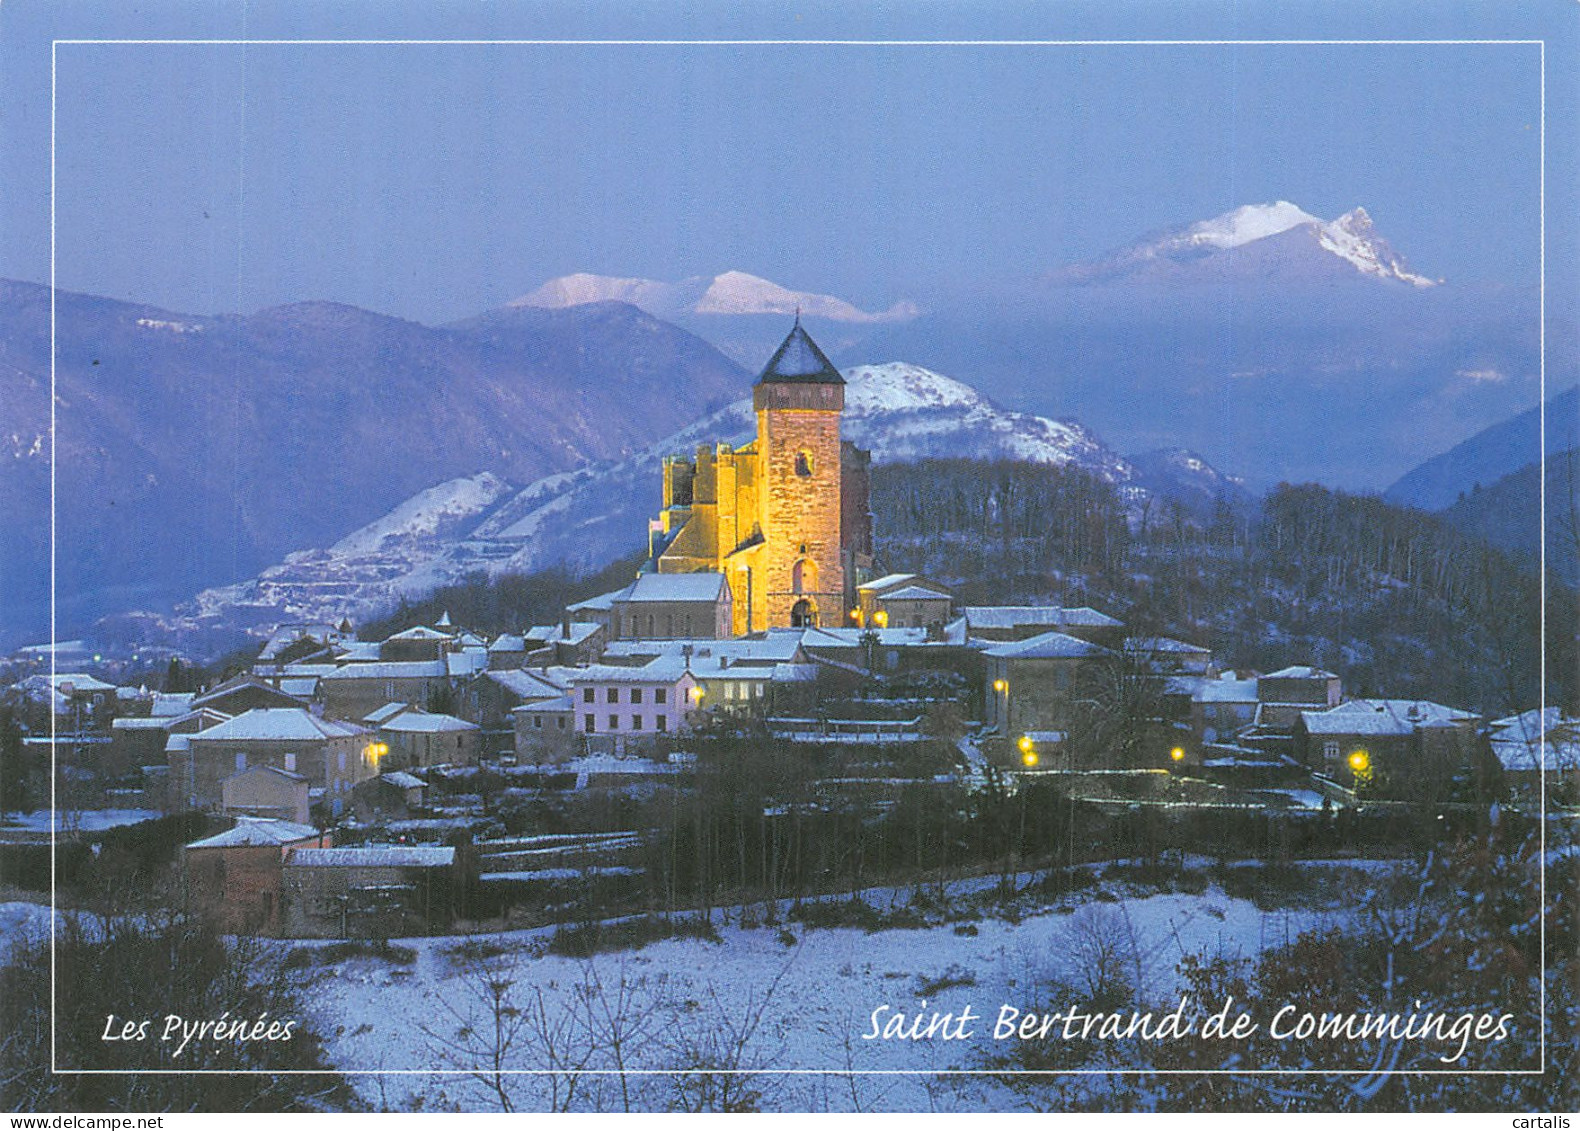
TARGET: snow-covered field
(793,1003)
(83,820)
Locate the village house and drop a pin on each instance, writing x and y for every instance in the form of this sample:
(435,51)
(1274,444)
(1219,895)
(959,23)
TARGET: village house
(1540,756)
(903,600)
(235,876)
(1031,689)
(330,754)
(620,708)
(1408,749)
(416,739)
(668,606)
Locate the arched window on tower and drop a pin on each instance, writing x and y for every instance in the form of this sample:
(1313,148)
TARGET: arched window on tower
(803,464)
(803,576)
(803,614)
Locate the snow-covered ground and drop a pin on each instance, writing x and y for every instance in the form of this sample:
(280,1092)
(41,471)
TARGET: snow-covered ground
(807,996)
(83,820)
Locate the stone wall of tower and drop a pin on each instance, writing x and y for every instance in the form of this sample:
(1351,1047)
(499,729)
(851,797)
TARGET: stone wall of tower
(799,492)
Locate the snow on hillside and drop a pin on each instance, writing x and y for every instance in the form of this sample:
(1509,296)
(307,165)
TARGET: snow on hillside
(427,514)
(806,999)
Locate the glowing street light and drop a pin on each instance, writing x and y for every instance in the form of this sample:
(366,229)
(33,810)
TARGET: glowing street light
(1029,758)
(1001,685)
(1028,751)
(881,618)
(1178,754)
(1360,762)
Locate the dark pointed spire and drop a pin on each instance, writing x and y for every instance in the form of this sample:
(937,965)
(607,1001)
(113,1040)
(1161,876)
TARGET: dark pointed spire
(799,360)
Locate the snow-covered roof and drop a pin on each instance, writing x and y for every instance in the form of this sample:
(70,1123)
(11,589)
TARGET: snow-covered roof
(1522,754)
(400,779)
(254,831)
(705,586)
(421,632)
(506,642)
(1163,644)
(602,602)
(374,856)
(1046,646)
(303,687)
(277,724)
(69,682)
(523,684)
(384,713)
(663,669)
(795,673)
(1226,691)
(1018,616)
(915,593)
(886,581)
(1383,717)
(466,663)
(852,637)
(1300,671)
(553,706)
(136,723)
(774,647)
(389,669)
(168,704)
(421,722)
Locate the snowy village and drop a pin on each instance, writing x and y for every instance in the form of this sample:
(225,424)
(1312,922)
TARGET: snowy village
(768,745)
(845,558)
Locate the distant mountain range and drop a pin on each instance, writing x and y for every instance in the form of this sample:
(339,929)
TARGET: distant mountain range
(585,519)
(199,450)
(196,450)
(732,293)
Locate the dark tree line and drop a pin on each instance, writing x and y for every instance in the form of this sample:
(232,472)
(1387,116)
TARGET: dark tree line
(1395,600)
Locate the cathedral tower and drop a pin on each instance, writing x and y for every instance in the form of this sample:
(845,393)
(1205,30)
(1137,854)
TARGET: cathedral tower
(799,398)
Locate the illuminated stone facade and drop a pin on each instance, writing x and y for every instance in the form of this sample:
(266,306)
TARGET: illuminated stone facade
(785,518)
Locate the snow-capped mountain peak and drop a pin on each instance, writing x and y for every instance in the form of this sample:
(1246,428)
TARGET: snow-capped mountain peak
(1264,243)
(1246,224)
(730,293)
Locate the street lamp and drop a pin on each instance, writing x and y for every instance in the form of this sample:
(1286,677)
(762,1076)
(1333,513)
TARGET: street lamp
(1178,754)
(1028,751)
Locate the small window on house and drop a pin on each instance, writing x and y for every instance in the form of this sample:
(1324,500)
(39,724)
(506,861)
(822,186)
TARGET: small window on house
(587,695)
(561,721)
(590,725)
(660,695)
(614,722)
(803,464)
(241,760)
(613,696)
(342,759)
(537,721)
(290,762)
(636,722)
(1330,751)
(636,695)
(661,724)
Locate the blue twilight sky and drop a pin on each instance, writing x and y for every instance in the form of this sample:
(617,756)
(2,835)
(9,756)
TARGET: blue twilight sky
(433,182)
